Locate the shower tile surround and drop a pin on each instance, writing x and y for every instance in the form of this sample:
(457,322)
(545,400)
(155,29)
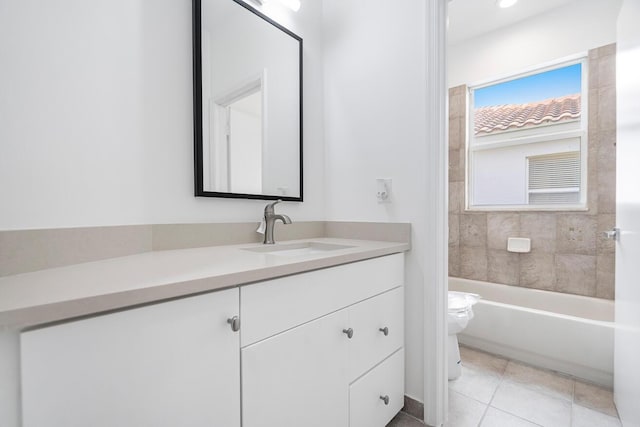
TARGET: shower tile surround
(568,252)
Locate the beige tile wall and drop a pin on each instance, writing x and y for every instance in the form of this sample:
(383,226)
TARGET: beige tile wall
(568,252)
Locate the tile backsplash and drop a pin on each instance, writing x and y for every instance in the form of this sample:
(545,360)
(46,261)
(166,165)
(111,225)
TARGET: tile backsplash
(568,251)
(24,251)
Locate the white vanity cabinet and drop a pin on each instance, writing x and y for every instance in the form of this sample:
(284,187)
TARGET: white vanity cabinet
(316,343)
(319,348)
(174,363)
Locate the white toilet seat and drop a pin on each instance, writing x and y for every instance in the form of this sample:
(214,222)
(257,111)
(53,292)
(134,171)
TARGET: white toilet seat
(460,310)
(461,301)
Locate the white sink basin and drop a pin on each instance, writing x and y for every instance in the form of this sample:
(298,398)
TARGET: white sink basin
(298,249)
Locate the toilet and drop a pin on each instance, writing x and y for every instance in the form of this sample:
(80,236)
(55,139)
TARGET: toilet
(459,314)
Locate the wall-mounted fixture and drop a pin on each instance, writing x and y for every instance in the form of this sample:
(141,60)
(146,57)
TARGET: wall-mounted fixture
(506,3)
(384,190)
(291,4)
(520,245)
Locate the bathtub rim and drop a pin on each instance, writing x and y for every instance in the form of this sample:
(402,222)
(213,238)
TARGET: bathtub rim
(605,307)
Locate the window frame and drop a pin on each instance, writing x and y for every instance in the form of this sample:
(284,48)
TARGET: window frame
(571,129)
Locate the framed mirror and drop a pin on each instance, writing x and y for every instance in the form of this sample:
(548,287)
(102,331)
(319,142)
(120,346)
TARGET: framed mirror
(247,103)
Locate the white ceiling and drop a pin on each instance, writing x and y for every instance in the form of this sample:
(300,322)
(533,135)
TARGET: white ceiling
(470,18)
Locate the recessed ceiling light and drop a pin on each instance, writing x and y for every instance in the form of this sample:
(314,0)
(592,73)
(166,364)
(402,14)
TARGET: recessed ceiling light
(506,3)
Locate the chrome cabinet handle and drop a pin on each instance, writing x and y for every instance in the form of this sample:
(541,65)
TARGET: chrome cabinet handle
(235,323)
(349,332)
(384,330)
(385,399)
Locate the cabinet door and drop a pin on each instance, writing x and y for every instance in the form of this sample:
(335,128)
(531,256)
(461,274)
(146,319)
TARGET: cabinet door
(378,330)
(379,395)
(169,364)
(298,378)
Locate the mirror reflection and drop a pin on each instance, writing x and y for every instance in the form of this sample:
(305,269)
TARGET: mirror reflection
(248,141)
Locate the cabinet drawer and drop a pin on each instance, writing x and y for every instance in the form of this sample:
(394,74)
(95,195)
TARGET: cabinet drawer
(367,408)
(370,319)
(274,306)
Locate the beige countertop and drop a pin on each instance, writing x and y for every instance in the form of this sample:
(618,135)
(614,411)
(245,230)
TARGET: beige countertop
(83,289)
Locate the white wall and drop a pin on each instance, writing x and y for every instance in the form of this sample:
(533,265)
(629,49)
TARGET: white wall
(565,31)
(96,115)
(374,128)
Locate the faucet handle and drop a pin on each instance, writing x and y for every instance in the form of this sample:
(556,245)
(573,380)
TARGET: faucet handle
(270,208)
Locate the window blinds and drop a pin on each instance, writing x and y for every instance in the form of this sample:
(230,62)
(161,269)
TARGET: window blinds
(554,179)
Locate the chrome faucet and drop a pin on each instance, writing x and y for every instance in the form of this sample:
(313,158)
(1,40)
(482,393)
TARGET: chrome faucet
(270,219)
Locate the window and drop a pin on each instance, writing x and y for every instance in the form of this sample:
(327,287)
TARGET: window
(527,141)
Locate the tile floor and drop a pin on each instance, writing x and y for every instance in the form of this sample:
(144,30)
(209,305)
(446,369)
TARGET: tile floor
(497,392)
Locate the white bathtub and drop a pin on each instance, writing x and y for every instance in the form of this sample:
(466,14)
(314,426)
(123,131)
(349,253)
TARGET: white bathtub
(567,333)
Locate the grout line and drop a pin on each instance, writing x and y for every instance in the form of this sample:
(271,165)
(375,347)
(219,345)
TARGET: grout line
(528,385)
(468,397)
(519,417)
(484,414)
(571,415)
(474,399)
(573,393)
(573,400)
(501,380)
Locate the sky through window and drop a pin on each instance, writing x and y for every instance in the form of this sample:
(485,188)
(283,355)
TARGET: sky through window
(537,87)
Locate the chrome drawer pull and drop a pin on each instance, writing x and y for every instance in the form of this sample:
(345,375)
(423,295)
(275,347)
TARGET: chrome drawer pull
(385,399)
(349,332)
(235,323)
(384,330)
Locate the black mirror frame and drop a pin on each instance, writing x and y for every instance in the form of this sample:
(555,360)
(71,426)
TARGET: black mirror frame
(197,107)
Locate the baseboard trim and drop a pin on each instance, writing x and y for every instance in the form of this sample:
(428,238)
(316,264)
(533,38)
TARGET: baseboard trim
(413,408)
